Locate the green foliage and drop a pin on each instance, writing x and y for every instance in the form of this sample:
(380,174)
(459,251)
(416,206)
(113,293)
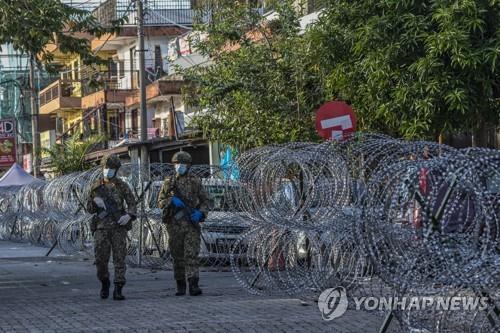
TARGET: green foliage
(409,68)
(30,25)
(413,68)
(69,156)
(265,90)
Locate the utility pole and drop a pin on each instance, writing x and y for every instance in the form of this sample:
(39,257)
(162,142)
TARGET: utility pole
(144,160)
(35,160)
(172,130)
(142,82)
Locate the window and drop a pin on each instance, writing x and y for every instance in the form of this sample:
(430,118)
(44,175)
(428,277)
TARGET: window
(135,121)
(113,127)
(133,77)
(158,59)
(76,71)
(113,67)
(59,125)
(164,126)
(132,59)
(121,64)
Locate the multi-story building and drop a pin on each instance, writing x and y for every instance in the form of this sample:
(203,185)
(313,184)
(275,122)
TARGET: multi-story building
(104,99)
(184,55)
(61,99)
(165,20)
(15,101)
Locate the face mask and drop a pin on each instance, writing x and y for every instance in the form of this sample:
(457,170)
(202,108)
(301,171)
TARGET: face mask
(180,168)
(109,173)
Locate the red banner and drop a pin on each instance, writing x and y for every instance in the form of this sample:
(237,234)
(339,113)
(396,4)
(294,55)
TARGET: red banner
(7,142)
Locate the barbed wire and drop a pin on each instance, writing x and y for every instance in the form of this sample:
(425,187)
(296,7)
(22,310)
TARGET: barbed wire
(393,218)
(376,215)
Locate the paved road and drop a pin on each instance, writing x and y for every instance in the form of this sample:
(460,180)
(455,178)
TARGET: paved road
(60,294)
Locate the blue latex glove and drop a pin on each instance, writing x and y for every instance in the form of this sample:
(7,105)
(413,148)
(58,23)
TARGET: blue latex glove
(177,202)
(196,216)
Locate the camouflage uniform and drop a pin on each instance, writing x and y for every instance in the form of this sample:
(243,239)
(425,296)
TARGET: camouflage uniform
(184,236)
(108,234)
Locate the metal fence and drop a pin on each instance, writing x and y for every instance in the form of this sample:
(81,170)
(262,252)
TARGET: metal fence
(157,12)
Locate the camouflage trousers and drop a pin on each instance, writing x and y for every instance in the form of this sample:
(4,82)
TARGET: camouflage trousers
(184,245)
(105,242)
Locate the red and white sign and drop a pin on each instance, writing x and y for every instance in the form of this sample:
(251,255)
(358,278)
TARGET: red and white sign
(7,142)
(27,163)
(335,120)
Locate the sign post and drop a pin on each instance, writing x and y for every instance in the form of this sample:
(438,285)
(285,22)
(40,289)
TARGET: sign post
(7,142)
(335,120)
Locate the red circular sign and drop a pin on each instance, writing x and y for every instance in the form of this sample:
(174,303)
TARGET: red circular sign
(335,120)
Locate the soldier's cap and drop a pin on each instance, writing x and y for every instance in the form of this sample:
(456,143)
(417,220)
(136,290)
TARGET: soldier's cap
(182,157)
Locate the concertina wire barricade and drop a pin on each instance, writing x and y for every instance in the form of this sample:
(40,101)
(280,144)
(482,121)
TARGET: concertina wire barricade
(375,215)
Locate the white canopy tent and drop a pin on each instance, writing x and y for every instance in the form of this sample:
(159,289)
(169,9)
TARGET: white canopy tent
(16,176)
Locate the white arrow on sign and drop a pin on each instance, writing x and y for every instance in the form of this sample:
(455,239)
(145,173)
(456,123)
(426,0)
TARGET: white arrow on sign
(344,122)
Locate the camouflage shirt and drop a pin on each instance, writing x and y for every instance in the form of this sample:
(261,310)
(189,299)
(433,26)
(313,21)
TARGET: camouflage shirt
(115,193)
(189,187)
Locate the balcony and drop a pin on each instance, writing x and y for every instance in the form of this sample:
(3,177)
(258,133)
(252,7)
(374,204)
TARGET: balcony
(158,12)
(111,91)
(60,95)
(157,91)
(162,18)
(105,96)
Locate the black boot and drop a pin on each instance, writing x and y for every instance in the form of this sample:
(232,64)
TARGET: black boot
(105,289)
(181,287)
(194,290)
(117,293)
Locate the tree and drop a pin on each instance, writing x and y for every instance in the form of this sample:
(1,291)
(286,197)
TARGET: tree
(31,25)
(261,86)
(413,68)
(69,156)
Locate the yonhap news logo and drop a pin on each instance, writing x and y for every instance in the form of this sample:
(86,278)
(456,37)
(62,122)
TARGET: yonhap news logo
(333,303)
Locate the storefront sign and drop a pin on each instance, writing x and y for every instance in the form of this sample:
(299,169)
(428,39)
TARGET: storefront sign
(7,142)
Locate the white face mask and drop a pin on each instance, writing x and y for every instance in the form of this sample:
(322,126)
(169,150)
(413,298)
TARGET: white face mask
(181,168)
(109,173)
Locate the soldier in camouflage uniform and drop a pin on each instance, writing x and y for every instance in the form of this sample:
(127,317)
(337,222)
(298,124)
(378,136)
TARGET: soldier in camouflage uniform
(110,223)
(185,204)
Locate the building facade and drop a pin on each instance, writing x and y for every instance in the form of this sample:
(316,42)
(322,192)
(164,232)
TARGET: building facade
(104,99)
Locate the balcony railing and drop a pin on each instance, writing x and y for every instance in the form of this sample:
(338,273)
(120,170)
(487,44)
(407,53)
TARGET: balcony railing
(118,75)
(127,81)
(108,83)
(158,12)
(58,89)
